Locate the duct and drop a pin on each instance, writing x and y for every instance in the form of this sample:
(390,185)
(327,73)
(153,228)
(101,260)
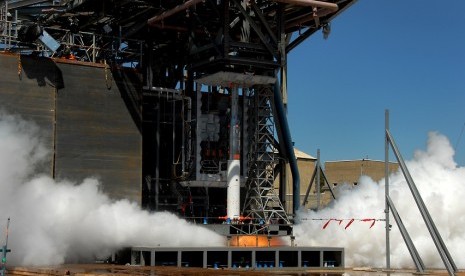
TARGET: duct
(313,16)
(287,146)
(169,13)
(325,9)
(312,3)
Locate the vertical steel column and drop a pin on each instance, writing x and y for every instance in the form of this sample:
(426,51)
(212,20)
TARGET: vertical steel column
(386,190)
(283,65)
(93,48)
(226,23)
(152,257)
(408,241)
(318,187)
(198,113)
(157,157)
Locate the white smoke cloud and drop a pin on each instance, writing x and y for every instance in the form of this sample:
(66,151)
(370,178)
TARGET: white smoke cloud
(441,184)
(53,222)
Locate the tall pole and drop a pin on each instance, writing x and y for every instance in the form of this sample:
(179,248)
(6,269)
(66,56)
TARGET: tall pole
(5,250)
(318,188)
(386,184)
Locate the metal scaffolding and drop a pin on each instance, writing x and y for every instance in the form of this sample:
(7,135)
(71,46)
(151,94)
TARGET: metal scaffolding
(262,202)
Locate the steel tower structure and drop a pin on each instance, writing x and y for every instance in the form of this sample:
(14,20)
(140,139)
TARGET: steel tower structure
(207,92)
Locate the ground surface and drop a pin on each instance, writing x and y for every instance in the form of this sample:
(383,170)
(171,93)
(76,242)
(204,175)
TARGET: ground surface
(120,270)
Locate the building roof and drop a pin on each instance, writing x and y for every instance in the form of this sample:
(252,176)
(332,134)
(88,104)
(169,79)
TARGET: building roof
(359,160)
(302,155)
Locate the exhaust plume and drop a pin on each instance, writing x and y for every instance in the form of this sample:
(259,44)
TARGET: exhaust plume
(441,184)
(55,222)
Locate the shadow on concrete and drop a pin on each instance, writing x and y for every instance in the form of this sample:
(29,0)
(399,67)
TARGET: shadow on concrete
(44,70)
(130,87)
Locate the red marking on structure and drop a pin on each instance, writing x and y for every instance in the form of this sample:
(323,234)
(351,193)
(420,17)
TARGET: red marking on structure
(327,223)
(348,224)
(373,223)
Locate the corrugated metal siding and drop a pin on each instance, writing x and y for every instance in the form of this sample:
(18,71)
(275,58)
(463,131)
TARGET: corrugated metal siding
(95,134)
(32,96)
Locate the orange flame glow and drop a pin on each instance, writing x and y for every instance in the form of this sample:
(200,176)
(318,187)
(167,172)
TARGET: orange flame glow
(256,241)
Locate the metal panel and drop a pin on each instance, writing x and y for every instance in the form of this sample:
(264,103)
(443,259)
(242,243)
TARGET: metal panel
(31,96)
(96,135)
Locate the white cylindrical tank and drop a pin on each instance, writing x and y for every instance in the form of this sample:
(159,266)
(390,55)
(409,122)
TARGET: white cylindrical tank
(234,188)
(234,163)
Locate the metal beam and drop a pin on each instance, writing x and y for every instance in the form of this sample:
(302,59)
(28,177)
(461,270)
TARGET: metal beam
(311,3)
(304,202)
(301,38)
(173,11)
(256,28)
(259,13)
(327,183)
(405,235)
(440,246)
(25,3)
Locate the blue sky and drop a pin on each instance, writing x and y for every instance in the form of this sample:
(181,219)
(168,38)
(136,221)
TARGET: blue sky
(405,56)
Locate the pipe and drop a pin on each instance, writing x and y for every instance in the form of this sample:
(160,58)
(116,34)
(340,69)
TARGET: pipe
(288,147)
(304,19)
(169,13)
(234,165)
(311,3)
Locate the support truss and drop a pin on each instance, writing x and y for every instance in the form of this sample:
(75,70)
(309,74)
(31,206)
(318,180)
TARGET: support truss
(262,203)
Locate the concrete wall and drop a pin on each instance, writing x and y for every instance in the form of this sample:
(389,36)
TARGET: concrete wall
(240,257)
(306,168)
(84,120)
(339,172)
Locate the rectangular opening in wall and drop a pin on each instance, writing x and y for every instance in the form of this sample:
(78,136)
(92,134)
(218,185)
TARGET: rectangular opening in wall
(265,259)
(192,258)
(241,259)
(145,258)
(310,259)
(166,258)
(217,259)
(332,258)
(289,258)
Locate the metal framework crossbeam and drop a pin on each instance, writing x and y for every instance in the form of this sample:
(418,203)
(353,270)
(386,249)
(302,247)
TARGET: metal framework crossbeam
(262,203)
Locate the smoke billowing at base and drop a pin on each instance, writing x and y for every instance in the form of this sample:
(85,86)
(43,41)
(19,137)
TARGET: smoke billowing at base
(441,184)
(55,222)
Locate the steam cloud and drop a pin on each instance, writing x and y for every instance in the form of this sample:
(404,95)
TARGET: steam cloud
(441,184)
(53,222)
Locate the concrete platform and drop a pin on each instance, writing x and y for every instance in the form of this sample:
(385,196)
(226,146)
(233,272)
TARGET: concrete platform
(240,257)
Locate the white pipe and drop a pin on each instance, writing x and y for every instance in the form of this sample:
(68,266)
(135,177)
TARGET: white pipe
(234,163)
(169,13)
(234,189)
(304,19)
(312,3)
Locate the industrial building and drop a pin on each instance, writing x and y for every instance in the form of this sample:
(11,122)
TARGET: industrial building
(177,105)
(350,171)
(306,166)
